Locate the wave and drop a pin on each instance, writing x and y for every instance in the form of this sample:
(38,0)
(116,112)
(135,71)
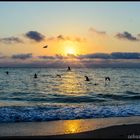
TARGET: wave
(62,98)
(81,99)
(128,95)
(132,93)
(49,113)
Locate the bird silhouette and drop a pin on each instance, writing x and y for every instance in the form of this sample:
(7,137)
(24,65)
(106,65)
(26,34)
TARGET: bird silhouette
(58,75)
(35,76)
(45,46)
(107,78)
(87,79)
(69,69)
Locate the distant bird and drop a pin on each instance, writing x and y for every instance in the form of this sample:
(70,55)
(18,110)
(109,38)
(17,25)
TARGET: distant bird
(7,72)
(58,75)
(87,79)
(45,46)
(35,76)
(96,84)
(69,69)
(107,78)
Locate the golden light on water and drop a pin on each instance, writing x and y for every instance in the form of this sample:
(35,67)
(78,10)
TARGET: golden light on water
(72,84)
(73,127)
(69,83)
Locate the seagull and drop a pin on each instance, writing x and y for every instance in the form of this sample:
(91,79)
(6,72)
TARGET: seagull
(7,72)
(87,79)
(107,78)
(58,75)
(45,46)
(35,76)
(69,69)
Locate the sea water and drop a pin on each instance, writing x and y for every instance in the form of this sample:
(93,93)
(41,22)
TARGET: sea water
(49,97)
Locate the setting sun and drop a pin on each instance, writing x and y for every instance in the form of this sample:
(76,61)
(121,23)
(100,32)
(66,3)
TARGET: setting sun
(70,48)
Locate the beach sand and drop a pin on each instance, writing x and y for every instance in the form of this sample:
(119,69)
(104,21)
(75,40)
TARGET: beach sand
(119,127)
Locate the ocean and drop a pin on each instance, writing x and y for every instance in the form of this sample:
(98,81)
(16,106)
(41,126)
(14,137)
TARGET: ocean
(24,98)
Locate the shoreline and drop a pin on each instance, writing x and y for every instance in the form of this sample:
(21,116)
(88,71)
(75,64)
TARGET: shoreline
(72,128)
(129,131)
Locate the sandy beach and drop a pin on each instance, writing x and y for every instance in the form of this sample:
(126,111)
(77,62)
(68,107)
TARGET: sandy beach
(119,127)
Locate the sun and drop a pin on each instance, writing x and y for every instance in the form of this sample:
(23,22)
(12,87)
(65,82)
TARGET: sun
(70,48)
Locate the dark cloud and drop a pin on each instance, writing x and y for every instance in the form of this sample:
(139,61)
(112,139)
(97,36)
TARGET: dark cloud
(22,56)
(95,55)
(119,55)
(115,55)
(127,36)
(103,56)
(57,56)
(101,60)
(97,32)
(46,57)
(10,40)
(34,35)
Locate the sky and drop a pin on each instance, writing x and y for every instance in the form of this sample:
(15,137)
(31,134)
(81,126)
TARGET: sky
(74,33)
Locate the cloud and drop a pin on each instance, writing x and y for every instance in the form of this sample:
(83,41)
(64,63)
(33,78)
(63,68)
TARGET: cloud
(46,57)
(127,36)
(119,55)
(105,56)
(34,35)
(57,56)
(96,31)
(114,59)
(10,40)
(60,37)
(95,55)
(65,38)
(114,55)
(22,56)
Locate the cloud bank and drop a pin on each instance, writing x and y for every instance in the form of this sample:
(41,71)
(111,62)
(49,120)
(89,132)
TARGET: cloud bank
(114,55)
(22,56)
(114,59)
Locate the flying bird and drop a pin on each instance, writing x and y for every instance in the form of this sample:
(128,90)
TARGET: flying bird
(45,46)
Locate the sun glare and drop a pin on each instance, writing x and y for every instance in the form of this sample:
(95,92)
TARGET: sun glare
(70,48)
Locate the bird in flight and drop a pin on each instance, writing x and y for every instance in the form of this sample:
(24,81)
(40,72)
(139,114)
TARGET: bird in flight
(45,46)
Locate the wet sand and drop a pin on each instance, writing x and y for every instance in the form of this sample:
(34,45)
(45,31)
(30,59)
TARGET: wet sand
(119,127)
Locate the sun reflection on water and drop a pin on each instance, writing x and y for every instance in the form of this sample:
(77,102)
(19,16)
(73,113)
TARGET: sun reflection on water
(71,84)
(73,127)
